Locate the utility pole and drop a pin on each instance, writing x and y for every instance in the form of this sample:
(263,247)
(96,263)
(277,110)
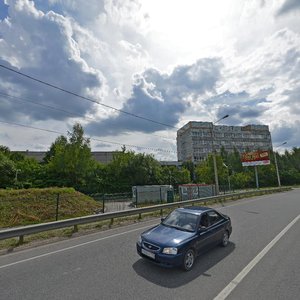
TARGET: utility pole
(214,154)
(276,165)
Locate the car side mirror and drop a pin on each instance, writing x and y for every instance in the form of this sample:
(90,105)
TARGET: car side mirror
(162,219)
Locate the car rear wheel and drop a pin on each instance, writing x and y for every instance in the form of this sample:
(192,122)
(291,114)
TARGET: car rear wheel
(225,239)
(189,259)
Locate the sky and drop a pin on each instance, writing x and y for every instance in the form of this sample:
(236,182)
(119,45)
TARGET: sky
(132,72)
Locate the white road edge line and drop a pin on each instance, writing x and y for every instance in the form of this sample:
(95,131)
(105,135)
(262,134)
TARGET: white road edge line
(234,283)
(72,247)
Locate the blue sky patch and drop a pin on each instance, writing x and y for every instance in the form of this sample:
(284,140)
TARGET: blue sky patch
(3,10)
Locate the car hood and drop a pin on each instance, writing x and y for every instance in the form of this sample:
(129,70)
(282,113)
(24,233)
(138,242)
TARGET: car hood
(167,236)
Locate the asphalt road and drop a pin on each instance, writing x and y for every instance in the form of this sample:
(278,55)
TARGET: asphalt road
(261,262)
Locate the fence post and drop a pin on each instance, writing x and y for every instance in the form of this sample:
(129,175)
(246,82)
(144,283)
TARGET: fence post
(57,206)
(103,203)
(160,196)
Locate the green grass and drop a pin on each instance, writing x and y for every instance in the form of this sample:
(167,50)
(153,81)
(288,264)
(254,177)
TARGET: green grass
(31,206)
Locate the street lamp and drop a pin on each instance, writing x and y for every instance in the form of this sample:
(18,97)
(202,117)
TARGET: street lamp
(214,154)
(276,165)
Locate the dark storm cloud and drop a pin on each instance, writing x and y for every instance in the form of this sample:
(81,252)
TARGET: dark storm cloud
(289,6)
(160,97)
(241,107)
(52,58)
(26,91)
(289,133)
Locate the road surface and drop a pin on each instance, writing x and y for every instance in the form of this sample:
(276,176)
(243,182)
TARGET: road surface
(261,262)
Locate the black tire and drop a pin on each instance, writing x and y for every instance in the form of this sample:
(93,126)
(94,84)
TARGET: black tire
(188,260)
(225,239)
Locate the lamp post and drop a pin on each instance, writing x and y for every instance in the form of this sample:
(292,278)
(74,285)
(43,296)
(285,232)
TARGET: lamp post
(276,165)
(214,154)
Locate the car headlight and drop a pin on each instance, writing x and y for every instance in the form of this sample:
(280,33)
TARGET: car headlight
(170,250)
(139,241)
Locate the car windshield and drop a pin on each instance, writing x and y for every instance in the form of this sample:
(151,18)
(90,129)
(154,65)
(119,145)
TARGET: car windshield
(181,220)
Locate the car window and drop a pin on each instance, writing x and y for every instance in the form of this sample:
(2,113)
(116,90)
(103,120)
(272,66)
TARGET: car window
(204,222)
(181,220)
(213,217)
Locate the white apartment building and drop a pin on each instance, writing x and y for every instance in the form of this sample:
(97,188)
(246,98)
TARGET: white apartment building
(196,140)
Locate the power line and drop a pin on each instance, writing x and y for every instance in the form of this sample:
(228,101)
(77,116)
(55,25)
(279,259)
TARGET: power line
(84,98)
(91,138)
(62,110)
(44,105)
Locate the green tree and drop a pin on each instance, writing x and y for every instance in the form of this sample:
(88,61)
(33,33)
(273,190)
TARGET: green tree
(128,169)
(205,171)
(175,176)
(71,161)
(7,171)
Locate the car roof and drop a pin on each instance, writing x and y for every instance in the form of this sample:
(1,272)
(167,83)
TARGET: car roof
(197,210)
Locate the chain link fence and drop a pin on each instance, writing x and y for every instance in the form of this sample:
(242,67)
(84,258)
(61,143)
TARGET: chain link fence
(114,202)
(32,209)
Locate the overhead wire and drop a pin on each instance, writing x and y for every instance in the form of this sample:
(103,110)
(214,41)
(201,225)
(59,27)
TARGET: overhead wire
(91,138)
(84,98)
(62,110)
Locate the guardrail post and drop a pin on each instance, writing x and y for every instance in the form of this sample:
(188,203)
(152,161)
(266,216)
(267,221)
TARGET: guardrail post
(136,198)
(57,207)
(21,240)
(111,222)
(75,229)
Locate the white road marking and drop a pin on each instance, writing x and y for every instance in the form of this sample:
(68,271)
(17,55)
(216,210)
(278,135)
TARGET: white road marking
(234,283)
(72,247)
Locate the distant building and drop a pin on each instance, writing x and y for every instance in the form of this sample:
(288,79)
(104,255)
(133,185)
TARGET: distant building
(104,157)
(196,140)
(171,163)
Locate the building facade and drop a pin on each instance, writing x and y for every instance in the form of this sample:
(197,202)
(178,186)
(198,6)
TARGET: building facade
(196,140)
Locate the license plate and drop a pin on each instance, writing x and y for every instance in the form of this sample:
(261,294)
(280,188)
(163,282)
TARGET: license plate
(149,254)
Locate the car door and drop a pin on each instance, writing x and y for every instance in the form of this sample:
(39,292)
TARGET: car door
(205,235)
(216,227)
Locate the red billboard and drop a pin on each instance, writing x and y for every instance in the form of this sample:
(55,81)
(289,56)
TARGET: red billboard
(255,158)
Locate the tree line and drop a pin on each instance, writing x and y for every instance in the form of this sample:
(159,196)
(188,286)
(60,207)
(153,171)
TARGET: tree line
(69,163)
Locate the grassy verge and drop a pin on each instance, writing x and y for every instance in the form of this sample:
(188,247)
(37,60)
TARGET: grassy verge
(32,206)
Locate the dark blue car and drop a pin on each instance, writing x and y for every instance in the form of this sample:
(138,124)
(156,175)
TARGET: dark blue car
(183,235)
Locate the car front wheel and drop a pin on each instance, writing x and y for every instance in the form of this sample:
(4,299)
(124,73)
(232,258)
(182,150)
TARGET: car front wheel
(189,259)
(225,239)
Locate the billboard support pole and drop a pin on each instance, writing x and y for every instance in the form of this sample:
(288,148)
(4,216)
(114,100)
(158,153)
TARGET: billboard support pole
(256,177)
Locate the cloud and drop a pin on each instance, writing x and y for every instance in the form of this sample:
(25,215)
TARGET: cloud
(161,97)
(285,131)
(241,107)
(289,6)
(42,45)
(293,101)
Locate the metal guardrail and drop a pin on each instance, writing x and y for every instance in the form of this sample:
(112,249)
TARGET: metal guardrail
(31,229)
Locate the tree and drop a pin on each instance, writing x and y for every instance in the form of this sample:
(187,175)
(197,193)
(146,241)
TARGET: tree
(175,176)
(71,161)
(129,169)
(60,143)
(205,171)
(7,171)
